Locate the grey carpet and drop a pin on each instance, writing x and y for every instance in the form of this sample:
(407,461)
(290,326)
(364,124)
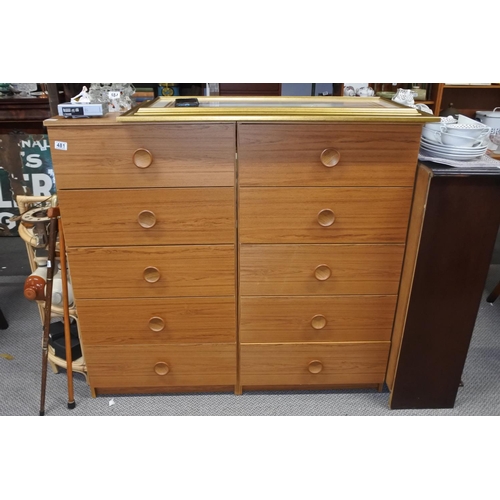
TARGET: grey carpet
(20,378)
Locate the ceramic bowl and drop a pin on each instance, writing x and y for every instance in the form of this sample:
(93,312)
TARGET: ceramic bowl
(431,134)
(459,140)
(467,130)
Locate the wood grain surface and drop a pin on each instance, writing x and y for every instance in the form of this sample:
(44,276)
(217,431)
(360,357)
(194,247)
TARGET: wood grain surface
(185,270)
(289,154)
(290,269)
(288,364)
(188,364)
(105,217)
(290,319)
(182,320)
(183,155)
(291,215)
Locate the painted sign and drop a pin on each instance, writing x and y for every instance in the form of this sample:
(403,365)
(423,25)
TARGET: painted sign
(25,169)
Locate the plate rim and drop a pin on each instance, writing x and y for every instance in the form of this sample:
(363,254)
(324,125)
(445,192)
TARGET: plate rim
(446,148)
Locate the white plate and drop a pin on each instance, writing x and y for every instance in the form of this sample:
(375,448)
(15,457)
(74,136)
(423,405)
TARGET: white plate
(462,155)
(451,152)
(449,156)
(451,149)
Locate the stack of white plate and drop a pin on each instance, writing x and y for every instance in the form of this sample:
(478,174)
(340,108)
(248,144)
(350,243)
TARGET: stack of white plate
(432,148)
(430,144)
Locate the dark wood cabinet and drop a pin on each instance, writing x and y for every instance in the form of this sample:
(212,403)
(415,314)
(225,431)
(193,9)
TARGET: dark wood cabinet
(453,228)
(249,89)
(466,98)
(24,114)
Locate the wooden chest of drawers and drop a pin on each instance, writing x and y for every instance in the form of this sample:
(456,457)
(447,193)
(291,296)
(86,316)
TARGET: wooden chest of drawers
(233,254)
(318,248)
(149,217)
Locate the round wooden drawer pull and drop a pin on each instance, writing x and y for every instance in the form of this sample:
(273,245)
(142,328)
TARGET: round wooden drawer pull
(326,217)
(151,274)
(329,157)
(146,219)
(315,366)
(322,272)
(142,158)
(318,322)
(156,324)
(161,368)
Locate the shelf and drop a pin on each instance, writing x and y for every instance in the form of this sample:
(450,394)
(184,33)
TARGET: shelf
(492,86)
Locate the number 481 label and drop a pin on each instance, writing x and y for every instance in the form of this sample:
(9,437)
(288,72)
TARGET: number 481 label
(61,145)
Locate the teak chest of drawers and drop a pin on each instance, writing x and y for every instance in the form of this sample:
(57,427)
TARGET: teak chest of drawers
(228,250)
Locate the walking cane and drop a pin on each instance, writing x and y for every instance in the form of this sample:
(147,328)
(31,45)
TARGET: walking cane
(67,332)
(48,306)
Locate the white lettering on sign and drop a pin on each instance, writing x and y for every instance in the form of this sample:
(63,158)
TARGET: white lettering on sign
(42,184)
(5,203)
(5,219)
(43,145)
(61,145)
(33,161)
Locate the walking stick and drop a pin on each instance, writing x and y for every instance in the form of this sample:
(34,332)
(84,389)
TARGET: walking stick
(48,307)
(67,332)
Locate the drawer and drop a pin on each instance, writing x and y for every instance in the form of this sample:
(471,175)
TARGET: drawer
(161,366)
(327,154)
(320,269)
(144,155)
(157,321)
(104,217)
(136,272)
(324,215)
(313,364)
(336,318)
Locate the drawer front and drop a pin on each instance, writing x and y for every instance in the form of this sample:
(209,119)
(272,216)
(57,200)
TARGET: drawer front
(107,217)
(161,366)
(313,364)
(320,269)
(157,321)
(338,318)
(324,215)
(145,155)
(299,155)
(135,272)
